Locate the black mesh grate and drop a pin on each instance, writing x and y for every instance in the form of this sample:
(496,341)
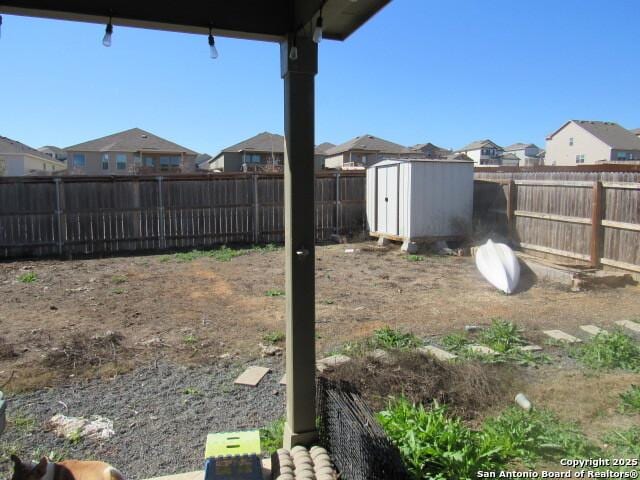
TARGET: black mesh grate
(349,431)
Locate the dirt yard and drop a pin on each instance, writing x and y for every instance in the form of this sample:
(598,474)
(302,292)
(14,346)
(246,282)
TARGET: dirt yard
(154,343)
(204,311)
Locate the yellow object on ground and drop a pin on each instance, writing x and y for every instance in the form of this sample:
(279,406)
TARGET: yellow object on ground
(232,443)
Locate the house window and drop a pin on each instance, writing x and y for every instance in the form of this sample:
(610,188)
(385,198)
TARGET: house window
(149,162)
(169,162)
(621,155)
(78,160)
(580,158)
(105,161)
(571,141)
(252,158)
(121,161)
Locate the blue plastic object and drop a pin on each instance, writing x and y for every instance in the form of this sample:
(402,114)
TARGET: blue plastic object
(233,467)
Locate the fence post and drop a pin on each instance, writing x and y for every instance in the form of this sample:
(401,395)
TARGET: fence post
(512,199)
(337,230)
(58,183)
(596,224)
(162,243)
(256,211)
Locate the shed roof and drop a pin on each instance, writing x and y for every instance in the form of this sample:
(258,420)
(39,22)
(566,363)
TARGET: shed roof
(258,19)
(132,140)
(9,146)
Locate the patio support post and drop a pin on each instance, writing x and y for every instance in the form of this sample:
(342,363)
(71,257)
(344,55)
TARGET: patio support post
(299,99)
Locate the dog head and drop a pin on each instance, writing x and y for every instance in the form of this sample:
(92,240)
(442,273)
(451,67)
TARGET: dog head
(28,471)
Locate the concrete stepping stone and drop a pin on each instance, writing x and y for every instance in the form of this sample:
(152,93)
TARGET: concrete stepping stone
(482,349)
(561,336)
(530,348)
(252,376)
(634,326)
(331,362)
(437,352)
(592,330)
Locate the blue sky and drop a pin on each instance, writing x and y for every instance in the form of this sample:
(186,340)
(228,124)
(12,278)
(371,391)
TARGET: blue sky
(448,72)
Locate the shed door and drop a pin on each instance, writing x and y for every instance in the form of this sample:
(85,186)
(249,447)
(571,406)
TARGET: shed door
(388,200)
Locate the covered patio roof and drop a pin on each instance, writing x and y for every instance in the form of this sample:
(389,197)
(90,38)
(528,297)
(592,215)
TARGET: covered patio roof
(269,20)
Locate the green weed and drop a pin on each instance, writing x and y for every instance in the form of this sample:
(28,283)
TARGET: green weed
(273,337)
(118,279)
(192,392)
(630,400)
(190,339)
(502,336)
(23,423)
(607,351)
(274,292)
(271,436)
(75,437)
(456,342)
(28,277)
(434,445)
(391,339)
(626,442)
(415,258)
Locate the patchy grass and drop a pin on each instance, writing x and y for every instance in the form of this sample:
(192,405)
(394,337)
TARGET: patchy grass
(273,337)
(609,351)
(626,443)
(415,258)
(118,279)
(534,435)
(192,392)
(385,338)
(75,437)
(23,423)
(630,400)
(502,336)
(274,292)
(190,339)
(220,254)
(271,436)
(388,338)
(28,277)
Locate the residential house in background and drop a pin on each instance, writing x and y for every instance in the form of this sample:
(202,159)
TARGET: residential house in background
(320,153)
(636,132)
(363,151)
(54,152)
(590,142)
(18,159)
(130,152)
(262,152)
(484,153)
(527,153)
(202,161)
(508,159)
(429,150)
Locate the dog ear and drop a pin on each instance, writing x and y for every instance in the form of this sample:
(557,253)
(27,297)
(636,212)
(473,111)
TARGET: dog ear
(41,469)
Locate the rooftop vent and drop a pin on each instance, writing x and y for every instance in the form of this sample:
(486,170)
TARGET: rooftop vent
(144,135)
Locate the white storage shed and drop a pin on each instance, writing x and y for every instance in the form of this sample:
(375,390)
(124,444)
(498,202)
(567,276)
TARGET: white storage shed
(420,200)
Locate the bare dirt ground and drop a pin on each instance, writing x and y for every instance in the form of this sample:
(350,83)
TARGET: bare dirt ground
(206,311)
(165,338)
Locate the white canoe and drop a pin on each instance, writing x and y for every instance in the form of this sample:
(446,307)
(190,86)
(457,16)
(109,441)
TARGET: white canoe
(499,265)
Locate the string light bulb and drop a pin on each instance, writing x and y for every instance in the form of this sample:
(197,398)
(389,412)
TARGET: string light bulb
(106,40)
(317,31)
(213,51)
(293,52)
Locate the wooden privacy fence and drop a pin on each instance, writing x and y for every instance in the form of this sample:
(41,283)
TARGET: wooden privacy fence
(594,221)
(67,216)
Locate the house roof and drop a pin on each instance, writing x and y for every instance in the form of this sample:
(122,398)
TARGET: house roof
(609,133)
(132,140)
(519,146)
(51,148)
(478,144)
(636,131)
(203,158)
(13,147)
(426,146)
(323,147)
(509,156)
(368,142)
(262,142)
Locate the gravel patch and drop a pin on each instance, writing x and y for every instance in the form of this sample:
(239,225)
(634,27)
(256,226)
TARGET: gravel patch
(161,416)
